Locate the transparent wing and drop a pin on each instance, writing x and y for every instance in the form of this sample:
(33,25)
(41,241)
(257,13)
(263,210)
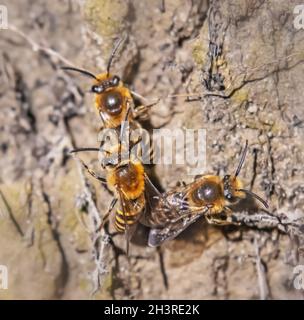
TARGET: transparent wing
(157,236)
(153,198)
(170,206)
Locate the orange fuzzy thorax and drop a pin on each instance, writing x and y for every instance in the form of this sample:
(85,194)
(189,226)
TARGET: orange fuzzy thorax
(130,181)
(218,204)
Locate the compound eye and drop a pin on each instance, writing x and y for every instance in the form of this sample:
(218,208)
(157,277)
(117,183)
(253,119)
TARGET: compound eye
(97,89)
(226,178)
(112,102)
(228,196)
(115,81)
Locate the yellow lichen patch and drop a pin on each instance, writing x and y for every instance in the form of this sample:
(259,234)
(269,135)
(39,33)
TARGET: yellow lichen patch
(200,47)
(69,214)
(41,255)
(107,287)
(106,16)
(199,53)
(240,96)
(11,202)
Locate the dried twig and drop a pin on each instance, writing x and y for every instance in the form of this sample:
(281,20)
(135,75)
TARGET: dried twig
(37,47)
(261,271)
(267,220)
(11,215)
(100,239)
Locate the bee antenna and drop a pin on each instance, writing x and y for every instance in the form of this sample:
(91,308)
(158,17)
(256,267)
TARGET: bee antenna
(83,149)
(117,45)
(241,160)
(87,73)
(254,195)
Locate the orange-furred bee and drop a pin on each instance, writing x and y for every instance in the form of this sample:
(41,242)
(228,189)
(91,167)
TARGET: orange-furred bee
(112,97)
(209,196)
(127,180)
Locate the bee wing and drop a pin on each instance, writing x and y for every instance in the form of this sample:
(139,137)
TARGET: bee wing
(157,236)
(152,197)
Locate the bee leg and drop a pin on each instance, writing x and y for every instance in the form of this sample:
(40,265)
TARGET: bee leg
(222,219)
(141,111)
(106,216)
(181,183)
(228,214)
(94,174)
(217,221)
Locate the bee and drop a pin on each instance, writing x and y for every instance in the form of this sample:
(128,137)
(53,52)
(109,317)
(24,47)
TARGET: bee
(210,196)
(127,181)
(112,97)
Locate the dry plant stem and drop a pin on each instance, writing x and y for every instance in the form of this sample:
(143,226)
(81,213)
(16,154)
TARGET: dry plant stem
(37,47)
(11,215)
(99,238)
(267,220)
(262,279)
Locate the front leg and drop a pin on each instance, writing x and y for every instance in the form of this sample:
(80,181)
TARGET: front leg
(222,219)
(93,174)
(107,215)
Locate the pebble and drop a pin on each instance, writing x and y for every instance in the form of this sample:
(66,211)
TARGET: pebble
(253,108)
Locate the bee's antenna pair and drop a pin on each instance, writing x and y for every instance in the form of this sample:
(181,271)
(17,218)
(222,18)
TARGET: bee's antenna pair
(112,55)
(237,172)
(85,72)
(242,160)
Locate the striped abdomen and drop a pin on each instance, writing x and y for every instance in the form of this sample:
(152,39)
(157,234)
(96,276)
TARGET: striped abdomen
(131,214)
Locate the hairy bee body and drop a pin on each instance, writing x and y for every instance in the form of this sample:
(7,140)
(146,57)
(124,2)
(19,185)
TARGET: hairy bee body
(208,195)
(203,194)
(127,182)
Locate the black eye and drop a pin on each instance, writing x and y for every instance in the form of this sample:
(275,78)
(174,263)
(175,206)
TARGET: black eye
(228,196)
(208,192)
(113,102)
(115,81)
(226,178)
(97,89)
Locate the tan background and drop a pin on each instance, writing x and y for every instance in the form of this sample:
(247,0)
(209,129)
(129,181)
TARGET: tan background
(44,112)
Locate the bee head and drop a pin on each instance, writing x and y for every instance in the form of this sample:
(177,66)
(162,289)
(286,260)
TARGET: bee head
(233,187)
